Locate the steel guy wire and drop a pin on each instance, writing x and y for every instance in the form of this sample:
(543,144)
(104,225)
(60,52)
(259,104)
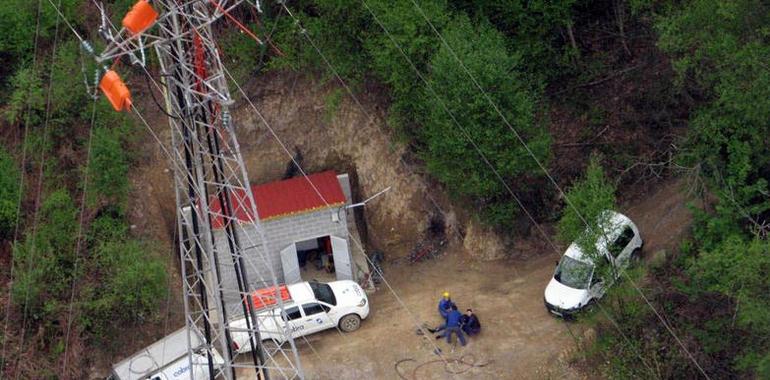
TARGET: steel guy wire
(172,160)
(317,191)
(350,92)
(79,236)
(628,341)
(168,294)
(23,171)
(466,135)
(41,172)
(463,131)
(545,171)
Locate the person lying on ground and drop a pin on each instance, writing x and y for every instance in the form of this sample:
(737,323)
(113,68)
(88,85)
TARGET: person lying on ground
(452,326)
(470,323)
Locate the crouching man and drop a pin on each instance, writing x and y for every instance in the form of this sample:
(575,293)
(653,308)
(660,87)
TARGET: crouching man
(452,326)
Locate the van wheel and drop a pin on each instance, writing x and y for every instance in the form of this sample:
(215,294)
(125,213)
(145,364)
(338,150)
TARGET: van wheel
(350,323)
(590,306)
(636,256)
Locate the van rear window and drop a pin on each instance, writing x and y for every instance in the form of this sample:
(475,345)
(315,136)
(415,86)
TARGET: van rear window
(323,292)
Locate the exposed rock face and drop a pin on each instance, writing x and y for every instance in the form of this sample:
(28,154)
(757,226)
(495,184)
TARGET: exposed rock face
(482,243)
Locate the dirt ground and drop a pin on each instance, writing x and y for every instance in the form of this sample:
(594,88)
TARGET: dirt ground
(520,340)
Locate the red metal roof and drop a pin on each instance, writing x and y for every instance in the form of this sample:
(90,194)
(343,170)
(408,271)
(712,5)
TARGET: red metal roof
(283,198)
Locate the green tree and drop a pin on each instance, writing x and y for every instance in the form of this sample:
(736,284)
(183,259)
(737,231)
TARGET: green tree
(720,50)
(589,198)
(412,35)
(448,154)
(538,29)
(738,268)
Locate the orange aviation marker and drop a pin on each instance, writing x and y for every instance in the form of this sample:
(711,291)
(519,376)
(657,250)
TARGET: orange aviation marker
(140,17)
(116,91)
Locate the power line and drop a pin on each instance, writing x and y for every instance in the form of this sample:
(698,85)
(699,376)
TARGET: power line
(79,236)
(481,154)
(23,171)
(352,238)
(545,171)
(43,152)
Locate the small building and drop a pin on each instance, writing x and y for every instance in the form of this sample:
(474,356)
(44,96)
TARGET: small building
(303,224)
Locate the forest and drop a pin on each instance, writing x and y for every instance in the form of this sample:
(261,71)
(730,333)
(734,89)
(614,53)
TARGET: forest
(484,94)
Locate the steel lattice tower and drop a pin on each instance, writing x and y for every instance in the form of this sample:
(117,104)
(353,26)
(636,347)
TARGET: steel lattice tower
(208,168)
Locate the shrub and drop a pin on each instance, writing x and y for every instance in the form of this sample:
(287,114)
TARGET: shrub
(9,194)
(45,260)
(132,281)
(26,97)
(108,169)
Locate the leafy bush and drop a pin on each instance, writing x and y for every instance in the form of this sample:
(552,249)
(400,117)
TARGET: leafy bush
(45,259)
(26,96)
(449,155)
(9,194)
(242,58)
(337,27)
(18,23)
(108,171)
(133,277)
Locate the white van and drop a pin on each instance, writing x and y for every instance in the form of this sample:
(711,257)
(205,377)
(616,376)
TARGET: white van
(311,307)
(575,284)
(167,359)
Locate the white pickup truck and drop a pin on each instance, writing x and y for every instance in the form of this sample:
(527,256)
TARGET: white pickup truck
(309,308)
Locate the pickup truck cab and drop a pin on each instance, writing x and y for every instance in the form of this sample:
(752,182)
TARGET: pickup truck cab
(309,308)
(575,282)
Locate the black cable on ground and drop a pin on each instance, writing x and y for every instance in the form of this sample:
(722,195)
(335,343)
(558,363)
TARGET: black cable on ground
(464,364)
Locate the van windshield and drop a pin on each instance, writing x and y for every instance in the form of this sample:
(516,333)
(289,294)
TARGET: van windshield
(573,273)
(323,292)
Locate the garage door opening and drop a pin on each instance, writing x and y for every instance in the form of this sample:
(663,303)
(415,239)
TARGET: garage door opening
(324,258)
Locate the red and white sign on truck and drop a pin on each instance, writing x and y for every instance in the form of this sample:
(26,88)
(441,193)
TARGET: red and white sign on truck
(309,307)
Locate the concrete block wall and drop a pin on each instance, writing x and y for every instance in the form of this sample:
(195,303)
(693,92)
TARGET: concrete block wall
(279,234)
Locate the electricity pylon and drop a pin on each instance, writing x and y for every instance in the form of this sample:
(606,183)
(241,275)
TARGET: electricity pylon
(208,170)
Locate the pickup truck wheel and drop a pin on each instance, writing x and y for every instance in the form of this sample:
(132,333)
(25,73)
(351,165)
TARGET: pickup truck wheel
(350,323)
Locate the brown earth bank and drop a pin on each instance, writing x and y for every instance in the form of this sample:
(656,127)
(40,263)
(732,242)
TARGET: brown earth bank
(520,340)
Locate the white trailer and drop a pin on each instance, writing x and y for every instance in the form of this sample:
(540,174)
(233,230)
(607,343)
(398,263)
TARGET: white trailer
(167,359)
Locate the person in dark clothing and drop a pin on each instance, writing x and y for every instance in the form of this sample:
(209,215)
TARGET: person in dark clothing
(451,326)
(470,323)
(445,305)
